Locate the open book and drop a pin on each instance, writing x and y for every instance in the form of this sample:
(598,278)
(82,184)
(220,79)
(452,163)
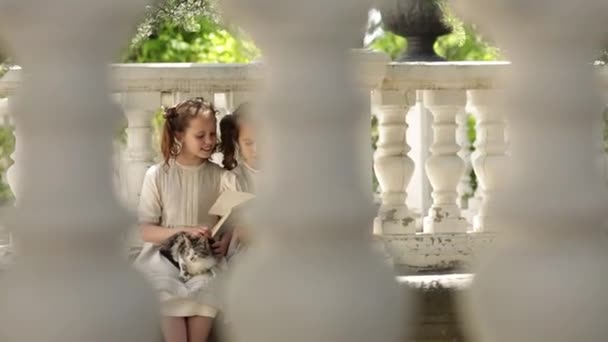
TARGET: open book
(224,205)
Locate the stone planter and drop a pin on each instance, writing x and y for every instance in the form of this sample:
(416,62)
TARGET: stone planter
(421,22)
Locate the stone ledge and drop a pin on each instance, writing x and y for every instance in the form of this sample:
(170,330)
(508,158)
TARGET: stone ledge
(207,77)
(432,253)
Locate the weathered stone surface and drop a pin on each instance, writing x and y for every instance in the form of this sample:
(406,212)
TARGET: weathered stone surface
(436,253)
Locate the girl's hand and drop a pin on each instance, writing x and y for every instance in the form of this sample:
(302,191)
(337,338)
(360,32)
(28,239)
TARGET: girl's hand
(198,232)
(220,247)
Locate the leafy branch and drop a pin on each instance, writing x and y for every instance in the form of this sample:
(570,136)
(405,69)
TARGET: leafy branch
(185,13)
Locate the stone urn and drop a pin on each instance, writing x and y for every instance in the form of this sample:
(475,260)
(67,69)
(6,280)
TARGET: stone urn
(421,22)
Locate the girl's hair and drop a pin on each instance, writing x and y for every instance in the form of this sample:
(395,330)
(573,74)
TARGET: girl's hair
(177,119)
(229,129)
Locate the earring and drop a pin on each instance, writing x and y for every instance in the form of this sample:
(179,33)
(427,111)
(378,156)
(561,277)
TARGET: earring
(176,149)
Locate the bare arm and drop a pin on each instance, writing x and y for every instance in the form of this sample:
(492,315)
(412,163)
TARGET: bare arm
(156,234)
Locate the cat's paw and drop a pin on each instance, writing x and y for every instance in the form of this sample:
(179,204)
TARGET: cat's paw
(185,276)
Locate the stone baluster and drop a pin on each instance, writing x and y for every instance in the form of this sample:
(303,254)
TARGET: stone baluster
(236,98)
(490,152)
(393,166)
(546,279)
(465,189)
(139,108)
(313,270)
(444,168)
(169,99)
(72,283)
(185,95)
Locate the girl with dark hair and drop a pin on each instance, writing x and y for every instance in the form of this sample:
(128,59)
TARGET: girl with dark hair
(239,149)
(238,145)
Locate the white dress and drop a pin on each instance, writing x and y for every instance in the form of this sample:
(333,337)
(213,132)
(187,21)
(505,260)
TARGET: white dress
(246,179)
(180,196)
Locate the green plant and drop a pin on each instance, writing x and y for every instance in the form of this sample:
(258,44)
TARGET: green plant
(184,13)
(463,44)
(416,16)
(466,45)
(7,145)
(210,43)
(472,135)
(390,44)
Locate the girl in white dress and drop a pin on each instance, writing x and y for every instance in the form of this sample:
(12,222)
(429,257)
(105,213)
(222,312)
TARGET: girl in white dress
(176,197)
(240,156)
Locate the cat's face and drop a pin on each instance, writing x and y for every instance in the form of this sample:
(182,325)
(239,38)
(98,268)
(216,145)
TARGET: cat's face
(196,255)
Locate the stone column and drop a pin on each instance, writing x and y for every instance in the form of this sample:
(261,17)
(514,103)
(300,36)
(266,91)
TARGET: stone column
(546,279)
(139,108)
(313,270)
(72,283)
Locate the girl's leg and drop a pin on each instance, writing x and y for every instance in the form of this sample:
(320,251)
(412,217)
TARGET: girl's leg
(199,328)
(174,329)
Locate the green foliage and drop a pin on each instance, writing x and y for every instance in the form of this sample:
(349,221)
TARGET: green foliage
(211,43)
(7,145)
(461,45)
(471,131)
(465,45)
(157,125)
(3,68)
(472,135)
(390,44)
(184,13)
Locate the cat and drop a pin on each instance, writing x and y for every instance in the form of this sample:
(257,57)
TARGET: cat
(192,255)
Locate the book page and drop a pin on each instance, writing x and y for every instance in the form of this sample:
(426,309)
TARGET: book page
(225,203)
(218,225)
(228,200)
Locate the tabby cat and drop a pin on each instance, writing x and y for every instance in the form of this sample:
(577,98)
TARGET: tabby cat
(192,255)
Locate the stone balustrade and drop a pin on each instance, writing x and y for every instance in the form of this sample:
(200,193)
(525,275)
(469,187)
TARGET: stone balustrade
(429,217)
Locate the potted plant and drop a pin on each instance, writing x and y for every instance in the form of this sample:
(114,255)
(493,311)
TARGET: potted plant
(421,22)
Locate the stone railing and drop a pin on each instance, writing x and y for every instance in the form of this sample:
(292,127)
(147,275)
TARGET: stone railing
(429,217)
(142,89)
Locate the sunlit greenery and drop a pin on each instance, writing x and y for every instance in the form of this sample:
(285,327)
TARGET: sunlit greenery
(7,144)
(210,43)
